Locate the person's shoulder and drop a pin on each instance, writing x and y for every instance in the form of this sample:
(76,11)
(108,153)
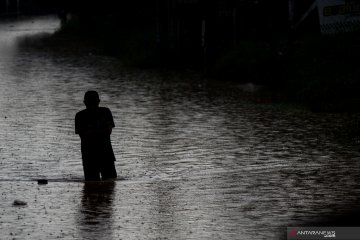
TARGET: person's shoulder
(104,109)
(81,113)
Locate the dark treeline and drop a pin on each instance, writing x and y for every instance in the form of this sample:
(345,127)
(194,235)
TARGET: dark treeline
(237,40)
(229,40)
(23,7)
(183,32)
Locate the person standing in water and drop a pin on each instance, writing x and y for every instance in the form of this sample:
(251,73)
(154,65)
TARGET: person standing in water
(94,126)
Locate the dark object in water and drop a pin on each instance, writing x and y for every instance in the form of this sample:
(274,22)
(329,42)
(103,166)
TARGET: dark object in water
(19,203)
(42,181)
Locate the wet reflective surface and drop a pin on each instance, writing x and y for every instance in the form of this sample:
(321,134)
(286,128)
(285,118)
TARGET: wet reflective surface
(196,160)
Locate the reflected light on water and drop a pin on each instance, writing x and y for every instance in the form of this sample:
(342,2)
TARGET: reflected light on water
(198,161)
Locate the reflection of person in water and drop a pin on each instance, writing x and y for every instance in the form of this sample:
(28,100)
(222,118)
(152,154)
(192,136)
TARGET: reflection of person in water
(95,214)
(94,125)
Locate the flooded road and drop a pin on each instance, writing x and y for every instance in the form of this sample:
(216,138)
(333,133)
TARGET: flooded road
(196,160)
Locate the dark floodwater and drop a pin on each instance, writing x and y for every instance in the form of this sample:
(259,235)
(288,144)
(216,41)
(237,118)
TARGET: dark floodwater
(198,161)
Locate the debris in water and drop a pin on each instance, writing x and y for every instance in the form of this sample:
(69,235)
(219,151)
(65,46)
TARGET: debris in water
(19,203)
(42,181)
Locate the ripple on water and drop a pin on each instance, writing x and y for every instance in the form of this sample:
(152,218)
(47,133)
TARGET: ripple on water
(198,163)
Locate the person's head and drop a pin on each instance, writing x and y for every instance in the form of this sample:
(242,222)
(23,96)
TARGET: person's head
(91,99)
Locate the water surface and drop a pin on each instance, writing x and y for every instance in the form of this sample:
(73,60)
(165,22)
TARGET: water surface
(198,160)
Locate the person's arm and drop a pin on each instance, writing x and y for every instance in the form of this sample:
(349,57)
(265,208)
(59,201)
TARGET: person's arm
(84,132)
(107,125)
(77,124)
(94,132)
(105,130)
(109,128)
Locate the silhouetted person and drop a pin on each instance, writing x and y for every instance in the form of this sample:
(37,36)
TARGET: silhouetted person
(94,125)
